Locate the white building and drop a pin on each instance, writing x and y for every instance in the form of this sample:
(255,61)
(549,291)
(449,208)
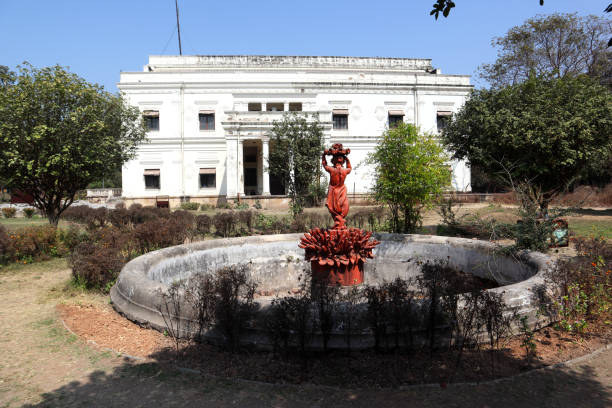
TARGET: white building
(210,116)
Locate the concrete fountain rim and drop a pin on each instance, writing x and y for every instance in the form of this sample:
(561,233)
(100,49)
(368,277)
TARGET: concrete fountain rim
(134,295)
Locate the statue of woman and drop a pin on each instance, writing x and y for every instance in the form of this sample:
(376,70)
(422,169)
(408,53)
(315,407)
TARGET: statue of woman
(337,200)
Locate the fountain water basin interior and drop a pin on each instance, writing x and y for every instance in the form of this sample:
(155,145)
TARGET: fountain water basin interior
(277,265)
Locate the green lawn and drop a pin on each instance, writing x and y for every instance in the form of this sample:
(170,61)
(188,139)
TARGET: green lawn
(13,223)
(586,228)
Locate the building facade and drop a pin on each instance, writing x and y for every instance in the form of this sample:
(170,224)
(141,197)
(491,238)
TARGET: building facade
(209,118)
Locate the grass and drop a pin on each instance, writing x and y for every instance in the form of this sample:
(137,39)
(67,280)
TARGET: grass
(587,228)
(20,222)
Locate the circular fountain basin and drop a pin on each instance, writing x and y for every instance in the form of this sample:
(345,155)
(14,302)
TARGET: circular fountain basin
(276,263)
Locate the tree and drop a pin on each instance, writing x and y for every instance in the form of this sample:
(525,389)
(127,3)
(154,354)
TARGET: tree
(410,172)
(558,44)
(445,6)
(58,133)
(295,151)
(550,133)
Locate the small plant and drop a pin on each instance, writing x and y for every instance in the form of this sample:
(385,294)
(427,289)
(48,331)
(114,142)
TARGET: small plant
(206,207)
(257,205)
(189,206)
(170,309)
(203,224)
(7,251)
(28,212)
(573,309)
(9,212)
(241,206)
(349,313)
(325,298)
(527,339)
(291,320)
(234,305)
(224,205)
(376,314)
(201,295)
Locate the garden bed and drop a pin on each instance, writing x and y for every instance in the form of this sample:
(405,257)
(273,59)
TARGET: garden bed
(106,329)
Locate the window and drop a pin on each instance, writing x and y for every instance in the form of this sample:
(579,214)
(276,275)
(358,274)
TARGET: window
(395,118)
(207,120)
(275,107)
(151,178)
(442,119)
(295,107)
(254,107)
(340,118)
(151,120)
(208,178)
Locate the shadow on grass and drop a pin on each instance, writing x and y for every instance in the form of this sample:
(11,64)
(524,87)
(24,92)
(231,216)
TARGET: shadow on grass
(588,211)
(153,384)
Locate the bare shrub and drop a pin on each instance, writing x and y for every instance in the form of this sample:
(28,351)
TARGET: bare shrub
(325,298)
(7,252)
(9,212)
(203,224)
(95,266)
(401,311)
(291,319)
(234,306)
(170,308)
(377,313)
(224,223)
(349,313)
(247,219)
(201,295)
(39,242)
(72,236)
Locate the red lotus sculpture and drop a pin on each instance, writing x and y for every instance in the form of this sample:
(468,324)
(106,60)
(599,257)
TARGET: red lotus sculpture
(337,255)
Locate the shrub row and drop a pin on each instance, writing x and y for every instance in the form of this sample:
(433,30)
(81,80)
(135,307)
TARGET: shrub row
(30,244)
(454,313)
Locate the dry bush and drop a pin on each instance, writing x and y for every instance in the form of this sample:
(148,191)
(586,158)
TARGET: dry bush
(38,242)
(203,224)
(234,306)
(119,217)
(72,236)
(95,266)
(504,198)
(9,212)
(586,196)
(246,220)
(7,252)
(159,233)
(225,224)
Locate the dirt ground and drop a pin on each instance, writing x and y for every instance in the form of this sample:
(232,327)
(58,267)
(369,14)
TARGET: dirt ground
(44,365)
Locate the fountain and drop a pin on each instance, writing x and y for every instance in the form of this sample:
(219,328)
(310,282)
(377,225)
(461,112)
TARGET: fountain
(335,256)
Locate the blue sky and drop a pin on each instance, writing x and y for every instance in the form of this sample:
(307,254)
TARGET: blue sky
(98,39)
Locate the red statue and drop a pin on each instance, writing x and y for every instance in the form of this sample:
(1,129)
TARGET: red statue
(337,255)
(337,201)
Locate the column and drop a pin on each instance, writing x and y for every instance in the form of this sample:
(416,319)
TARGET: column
(240,169)
(265,150)
(231,176)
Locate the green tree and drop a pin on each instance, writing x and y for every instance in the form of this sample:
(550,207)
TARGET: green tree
(557,44)
(410,172)
(549,133)
(58,133)
(296,145)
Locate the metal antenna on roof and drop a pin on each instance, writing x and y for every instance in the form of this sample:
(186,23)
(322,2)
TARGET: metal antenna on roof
(178,27)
